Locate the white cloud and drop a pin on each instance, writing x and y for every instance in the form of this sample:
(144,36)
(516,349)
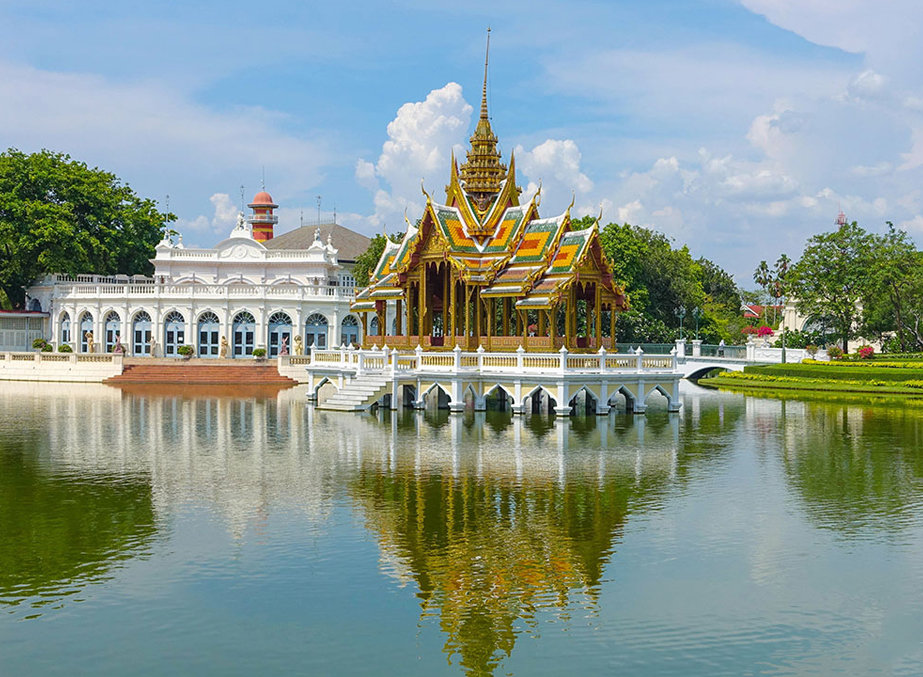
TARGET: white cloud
(221,222)
(914,225)
(556,163)
(420,139)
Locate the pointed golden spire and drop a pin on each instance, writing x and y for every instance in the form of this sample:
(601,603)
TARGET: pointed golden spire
(484,91)
(483,172)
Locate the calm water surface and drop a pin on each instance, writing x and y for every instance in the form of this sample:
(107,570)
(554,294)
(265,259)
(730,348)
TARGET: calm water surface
(186,533)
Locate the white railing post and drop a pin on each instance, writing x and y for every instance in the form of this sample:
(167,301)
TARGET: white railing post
(480,352)
(385,357)
(681,347)
(520,352)
(361,364)
(639,358)
(602,358)
(696,347)
(456,358)
(562,357)
(419,353)
(395,357)
(751,349)
(674,360)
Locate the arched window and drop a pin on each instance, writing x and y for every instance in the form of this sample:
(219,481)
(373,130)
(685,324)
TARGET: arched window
(243,330)
(113,330)
(280,333)
(35,306)
(209,328)
(65,328)
(174,333)
(349,333)
(315,331)
(141,328)
(373,327)
(86,332)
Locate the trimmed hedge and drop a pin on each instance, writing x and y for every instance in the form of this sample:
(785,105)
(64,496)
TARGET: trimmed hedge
(845,372)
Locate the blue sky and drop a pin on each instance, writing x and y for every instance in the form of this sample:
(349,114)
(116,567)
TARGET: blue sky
(738,128)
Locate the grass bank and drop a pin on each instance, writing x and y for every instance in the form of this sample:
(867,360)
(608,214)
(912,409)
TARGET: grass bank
(903,377)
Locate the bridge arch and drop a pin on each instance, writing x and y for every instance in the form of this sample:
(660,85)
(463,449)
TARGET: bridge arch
(530,403)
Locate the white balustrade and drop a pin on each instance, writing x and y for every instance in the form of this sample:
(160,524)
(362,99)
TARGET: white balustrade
(481,361)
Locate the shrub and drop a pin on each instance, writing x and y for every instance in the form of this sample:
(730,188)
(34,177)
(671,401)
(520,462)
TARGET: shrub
(47,348)
(835,352)
(65,348)
(811,350)
(764,331)
(259,352)
(39,343)
(866,352)
(185,351)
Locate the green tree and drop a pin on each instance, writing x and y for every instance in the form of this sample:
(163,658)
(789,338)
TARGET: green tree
(833,276)
(367,260)
(894,302)
(58,215)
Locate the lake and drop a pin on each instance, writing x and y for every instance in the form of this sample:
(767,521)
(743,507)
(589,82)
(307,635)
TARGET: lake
(169,532)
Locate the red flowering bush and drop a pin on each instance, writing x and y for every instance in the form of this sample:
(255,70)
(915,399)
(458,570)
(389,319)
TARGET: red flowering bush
(866,352)
(748,330)
(764,331)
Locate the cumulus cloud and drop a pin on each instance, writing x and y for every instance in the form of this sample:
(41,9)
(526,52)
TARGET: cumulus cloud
(221,222)
(420,139)
(556,164)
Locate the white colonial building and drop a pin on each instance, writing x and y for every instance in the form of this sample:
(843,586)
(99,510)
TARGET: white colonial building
(249,291)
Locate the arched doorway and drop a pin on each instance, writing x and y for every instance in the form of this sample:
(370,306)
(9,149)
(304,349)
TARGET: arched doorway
(174,333)
(349,333)
(86,327)
(65,328)
(373,327)
(280,328)
(315,332)
(113,330)
(243,331)
(209,328)
(141,328)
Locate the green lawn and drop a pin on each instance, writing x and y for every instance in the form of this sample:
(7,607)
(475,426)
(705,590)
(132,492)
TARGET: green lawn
(897,378)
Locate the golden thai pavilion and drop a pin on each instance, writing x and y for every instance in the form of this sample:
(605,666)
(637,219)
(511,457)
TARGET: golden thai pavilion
(484,270)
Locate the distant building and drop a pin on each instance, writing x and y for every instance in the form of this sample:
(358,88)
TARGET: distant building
(252,289)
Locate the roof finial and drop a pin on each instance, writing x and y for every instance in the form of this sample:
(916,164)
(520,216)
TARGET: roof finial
(484,92)
(263,179)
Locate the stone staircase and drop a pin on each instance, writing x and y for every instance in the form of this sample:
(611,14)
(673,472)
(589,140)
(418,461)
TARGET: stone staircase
(357,395)
(201,372)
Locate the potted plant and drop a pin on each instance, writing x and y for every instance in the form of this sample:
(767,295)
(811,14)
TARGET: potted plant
(259,354)
(65,348)
(39,344)
(186,351)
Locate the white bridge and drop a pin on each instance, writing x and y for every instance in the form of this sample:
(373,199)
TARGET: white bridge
(355,380)
(347,379)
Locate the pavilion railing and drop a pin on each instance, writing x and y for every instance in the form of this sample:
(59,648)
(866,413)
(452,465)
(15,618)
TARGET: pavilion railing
(388,361)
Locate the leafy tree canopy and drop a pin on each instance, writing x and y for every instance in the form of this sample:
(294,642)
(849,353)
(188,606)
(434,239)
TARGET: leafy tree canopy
(833,277)
(59,216)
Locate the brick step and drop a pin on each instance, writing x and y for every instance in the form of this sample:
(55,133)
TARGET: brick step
(225,374)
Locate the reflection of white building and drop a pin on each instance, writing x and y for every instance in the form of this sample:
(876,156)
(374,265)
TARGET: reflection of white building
(252,289)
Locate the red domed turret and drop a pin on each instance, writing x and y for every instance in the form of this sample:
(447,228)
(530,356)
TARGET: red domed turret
(263,198)
(262,220)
